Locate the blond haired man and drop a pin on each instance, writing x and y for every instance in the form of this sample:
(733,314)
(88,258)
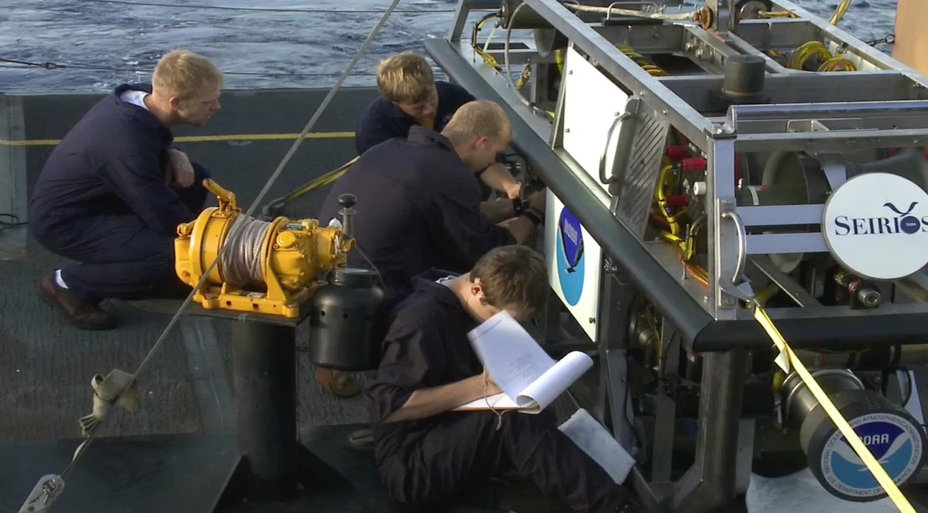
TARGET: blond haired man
(112,193)
(412,97)
(419,207)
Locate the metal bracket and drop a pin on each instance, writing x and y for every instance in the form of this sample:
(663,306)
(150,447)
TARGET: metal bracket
(835,170)
(626,122)
(44,494)
(731,268)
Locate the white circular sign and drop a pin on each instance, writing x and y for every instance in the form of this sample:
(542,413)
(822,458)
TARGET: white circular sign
(876,225)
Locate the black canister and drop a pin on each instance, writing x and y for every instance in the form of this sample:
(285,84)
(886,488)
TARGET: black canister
(348,321)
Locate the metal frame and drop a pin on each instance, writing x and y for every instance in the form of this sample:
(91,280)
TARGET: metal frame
(884,105)
(901,105)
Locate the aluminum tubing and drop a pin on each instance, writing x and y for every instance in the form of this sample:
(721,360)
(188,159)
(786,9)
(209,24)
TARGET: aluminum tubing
(620,244)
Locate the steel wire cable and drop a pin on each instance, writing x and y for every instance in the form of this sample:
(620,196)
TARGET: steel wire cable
(82,448)
(241,264)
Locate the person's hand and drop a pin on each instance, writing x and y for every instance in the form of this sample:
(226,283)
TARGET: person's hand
(537,200)
(513,190)
(180,170)
(489,384)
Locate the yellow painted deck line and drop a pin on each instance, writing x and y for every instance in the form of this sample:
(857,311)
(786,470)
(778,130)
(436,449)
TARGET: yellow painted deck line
(206,138)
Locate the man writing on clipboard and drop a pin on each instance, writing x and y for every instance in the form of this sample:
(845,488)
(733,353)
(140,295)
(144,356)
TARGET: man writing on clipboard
(427,454)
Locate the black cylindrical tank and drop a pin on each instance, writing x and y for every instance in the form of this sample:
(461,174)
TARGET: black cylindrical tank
(894,438)
(348,321)
(744,78)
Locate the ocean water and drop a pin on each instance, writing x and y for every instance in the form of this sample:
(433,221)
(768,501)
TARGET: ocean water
(268,44)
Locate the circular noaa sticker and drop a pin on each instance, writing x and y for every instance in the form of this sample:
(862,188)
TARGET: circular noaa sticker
(876,225)
(894,442)
(570,261)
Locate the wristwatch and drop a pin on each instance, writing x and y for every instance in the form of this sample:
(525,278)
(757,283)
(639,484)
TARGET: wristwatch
(518,206)
(534,215)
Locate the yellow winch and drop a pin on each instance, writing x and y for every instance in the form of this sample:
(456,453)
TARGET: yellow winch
(264,267)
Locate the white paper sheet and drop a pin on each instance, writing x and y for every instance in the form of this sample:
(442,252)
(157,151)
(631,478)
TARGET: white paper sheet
(555,380)
(521,367)
(593,439)
(509,353)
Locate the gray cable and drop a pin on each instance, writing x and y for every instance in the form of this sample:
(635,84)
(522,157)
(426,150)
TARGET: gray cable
(272,179)
(242,263)
(82,448)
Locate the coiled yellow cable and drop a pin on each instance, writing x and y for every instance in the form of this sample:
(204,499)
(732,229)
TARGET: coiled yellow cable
(807,51)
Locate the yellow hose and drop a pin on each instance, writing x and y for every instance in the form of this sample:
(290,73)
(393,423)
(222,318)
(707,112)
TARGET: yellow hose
(652,69)
(837,64)
(662,201)
(487,58)
(839,12)
(806,51)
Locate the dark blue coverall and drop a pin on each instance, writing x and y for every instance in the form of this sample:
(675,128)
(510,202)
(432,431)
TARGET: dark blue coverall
(431,460)
(102,200)
(383,119)
(418,207)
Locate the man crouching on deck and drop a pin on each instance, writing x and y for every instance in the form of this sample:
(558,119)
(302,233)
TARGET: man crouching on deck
(426,453)
(112,193)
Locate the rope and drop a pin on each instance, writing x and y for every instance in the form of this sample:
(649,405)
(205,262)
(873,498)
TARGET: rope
(81,449)
(688,16)
(270,182)
(243,263)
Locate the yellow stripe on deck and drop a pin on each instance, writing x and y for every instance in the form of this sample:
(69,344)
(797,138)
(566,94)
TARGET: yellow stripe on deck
(206,138)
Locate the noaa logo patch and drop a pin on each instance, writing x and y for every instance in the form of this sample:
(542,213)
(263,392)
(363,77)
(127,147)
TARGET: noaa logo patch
(570,261)
(876,225)
(894,442)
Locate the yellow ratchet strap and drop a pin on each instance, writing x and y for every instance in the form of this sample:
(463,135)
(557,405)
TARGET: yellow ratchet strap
(856,443)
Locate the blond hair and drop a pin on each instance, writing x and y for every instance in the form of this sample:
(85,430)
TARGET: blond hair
(478,118)
(513,277)
(405,78)
(183,73)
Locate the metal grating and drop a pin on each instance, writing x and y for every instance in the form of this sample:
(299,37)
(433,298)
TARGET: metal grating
(641,171)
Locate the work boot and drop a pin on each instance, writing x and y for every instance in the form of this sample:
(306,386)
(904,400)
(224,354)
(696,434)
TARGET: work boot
(336,382)
(80,313)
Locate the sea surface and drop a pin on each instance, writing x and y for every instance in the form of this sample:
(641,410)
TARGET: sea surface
(98,44)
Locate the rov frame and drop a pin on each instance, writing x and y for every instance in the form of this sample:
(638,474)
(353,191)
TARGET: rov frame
(882,105)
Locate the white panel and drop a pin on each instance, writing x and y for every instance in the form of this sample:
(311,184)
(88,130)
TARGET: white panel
(591,104)
(574,264)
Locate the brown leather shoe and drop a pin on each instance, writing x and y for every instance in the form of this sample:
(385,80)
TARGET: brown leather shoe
(336,382)
(79,313)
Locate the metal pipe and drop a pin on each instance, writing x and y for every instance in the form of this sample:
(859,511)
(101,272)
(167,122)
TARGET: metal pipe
(800,401)
(839,12)
(884,357)
(264,380)
(710,483)
(685,118)
(621,245)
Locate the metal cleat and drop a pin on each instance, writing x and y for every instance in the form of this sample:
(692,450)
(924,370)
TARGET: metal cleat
(44,494)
